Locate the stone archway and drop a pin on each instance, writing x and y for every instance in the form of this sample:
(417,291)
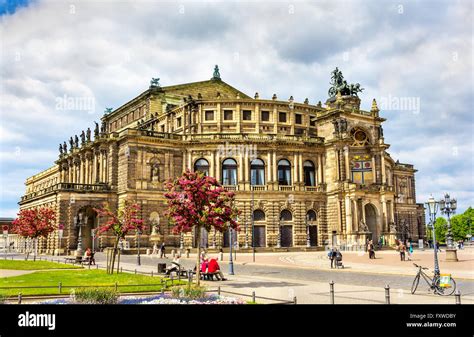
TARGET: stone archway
(87,221)
(371,220)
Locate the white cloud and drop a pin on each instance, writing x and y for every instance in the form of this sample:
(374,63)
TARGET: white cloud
(110,51)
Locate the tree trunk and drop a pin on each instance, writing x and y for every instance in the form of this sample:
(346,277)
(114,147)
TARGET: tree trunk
(118,261)
(198,258)
(114,254)
(35,248)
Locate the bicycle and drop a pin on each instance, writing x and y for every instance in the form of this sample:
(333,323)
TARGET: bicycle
(433,283)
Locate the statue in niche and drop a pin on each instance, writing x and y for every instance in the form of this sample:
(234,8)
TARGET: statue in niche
(393,227)
(363,226)
(155,173)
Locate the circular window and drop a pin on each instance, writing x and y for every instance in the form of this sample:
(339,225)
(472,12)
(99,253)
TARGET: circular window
(360,136)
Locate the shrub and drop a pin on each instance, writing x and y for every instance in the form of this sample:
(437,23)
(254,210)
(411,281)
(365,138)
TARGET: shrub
(95,296)
(191,292)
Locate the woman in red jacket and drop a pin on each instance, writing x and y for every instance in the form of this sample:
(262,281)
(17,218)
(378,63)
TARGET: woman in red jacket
(214,267)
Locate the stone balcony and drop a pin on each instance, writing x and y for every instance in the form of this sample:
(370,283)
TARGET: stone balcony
(66,187)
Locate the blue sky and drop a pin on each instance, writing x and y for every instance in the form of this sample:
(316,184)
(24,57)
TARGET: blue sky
(107,52)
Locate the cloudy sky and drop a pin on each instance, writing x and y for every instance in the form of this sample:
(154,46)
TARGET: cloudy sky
(415,58)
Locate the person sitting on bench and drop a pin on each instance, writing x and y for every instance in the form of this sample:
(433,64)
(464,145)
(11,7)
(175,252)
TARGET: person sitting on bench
(213,267)
(175,265)
(89,256)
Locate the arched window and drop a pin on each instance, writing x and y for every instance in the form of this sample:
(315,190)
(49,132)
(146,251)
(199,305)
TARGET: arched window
(258,215)
(309,173)
(284,172)
(311,215)
(286,215)
(257,172)
(229,172)
(202,165)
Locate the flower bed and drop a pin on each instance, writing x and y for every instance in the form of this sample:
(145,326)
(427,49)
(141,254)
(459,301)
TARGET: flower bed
(160,299)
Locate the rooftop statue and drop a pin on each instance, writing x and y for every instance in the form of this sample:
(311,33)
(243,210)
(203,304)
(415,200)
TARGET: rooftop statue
(338,84)
(83,138)
(76,142)
(96,130)
(155,82)
(88,135)
(107,111)
(216,74)
(71,143)
(64,148)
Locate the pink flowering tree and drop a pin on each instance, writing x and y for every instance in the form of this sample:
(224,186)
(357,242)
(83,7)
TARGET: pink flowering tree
(33,224)
(120,224)
(197,201)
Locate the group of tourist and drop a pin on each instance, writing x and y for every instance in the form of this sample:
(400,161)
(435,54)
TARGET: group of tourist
(404,248)
(211,266)
(161,250)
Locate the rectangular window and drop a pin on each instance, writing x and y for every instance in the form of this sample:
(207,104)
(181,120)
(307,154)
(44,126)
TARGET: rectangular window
(178,121)
(209,115)
(282,117)
(228,115)
(298,119)
(247,115)
(265,116)
(162,128)
(311,121)
(299,131)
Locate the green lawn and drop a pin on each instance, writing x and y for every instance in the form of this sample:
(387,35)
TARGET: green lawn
(33,265)
(76,278)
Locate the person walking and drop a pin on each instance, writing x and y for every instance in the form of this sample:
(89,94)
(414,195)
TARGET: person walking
(410,251)
(371,249)
(163,250)
(332,256)
(402,249)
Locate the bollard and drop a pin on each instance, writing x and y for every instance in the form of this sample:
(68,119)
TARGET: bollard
(152,273)
(457,295)
(190,276)
(219,290)
(222,256)
(331,291)
(135,272)
(253,296)
(387,294)
(19,298)
(60,287)
(294,300)
(116,286)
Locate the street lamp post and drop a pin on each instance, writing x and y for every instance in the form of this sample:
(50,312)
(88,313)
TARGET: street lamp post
(308,241)
(246,246)
(231,263)
(79,251)
(432,210)
(138,247)
(448,206)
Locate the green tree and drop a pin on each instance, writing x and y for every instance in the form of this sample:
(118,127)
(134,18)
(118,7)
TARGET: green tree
(441,229)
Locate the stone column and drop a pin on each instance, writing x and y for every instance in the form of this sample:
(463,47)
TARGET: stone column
(218,165)
(275,169)
(190,160)
(356,215)
(184,161)
(382,160)
(246,166)
(212,164)
(348,214)
(269,167)
(320,169)
(374,173)
(257,118)
(384,215)
(295,179)
(301,173)
(346,162)
(240,178)
(94,168)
